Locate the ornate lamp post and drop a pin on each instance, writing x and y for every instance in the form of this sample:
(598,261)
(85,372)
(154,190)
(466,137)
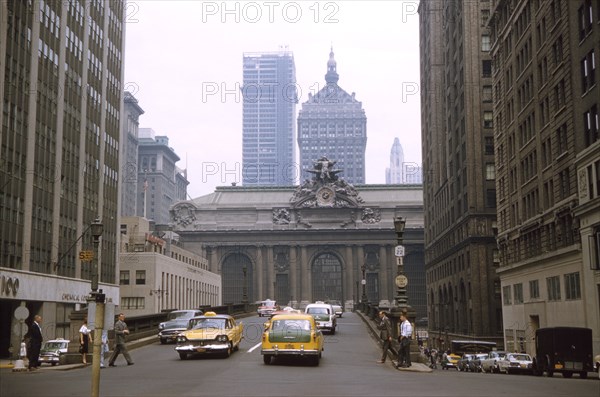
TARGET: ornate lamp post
(245,289)
(364,299)
(99,298)
(401,279)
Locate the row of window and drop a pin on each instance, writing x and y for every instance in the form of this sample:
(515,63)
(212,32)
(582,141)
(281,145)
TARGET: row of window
(140,277)
(513,294)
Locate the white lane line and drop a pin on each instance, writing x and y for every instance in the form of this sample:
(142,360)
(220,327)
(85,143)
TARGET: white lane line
(254,347)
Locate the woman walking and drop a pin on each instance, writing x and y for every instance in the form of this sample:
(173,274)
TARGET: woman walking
(85,338)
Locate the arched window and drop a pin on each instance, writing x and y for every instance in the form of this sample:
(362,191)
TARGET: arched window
(327,278)
(232,276)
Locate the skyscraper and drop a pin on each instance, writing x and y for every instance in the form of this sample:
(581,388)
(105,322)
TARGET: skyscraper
(129,155)
(61,74)
(394,174)
(461,256)
(332,123)
(160,182)
(269,119)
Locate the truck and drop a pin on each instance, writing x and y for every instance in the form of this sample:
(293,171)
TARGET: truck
(567,350)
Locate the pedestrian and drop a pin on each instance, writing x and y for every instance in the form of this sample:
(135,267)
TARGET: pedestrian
(433,359)
(103,346)
(34,337)
(121,331)
(404,339)
(385,333)
(85,338)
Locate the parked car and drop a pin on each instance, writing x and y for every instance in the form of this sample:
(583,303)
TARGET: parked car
(563,349)
(266,308)
(337,308)
(463,363)
(451,361)
(210,334)
(53,350)
(177,321)
(324,315)
(292,335)
(475,363)
(515,363)
(490,363)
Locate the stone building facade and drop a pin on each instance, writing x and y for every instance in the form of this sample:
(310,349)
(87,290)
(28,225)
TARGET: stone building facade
(306,243)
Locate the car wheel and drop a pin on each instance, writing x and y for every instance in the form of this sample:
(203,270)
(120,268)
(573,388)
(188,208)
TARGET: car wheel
(315,361)
(267,359)
(183,356)
(567,374)
(229,350)
(163,341)
(53,364)
(583,375)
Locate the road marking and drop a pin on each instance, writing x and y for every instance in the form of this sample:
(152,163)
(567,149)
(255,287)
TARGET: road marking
(254,347)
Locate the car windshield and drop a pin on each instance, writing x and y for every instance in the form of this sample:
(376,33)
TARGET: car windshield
(177,315)
(207,323)
(269,303)
(290,325)
(55,345)
(521,357)
(317,310)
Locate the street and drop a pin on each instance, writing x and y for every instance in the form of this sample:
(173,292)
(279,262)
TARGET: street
(348,368)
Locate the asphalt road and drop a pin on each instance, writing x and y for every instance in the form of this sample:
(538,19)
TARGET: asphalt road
(348,368)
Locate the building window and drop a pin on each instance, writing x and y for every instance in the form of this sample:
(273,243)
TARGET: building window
(591,125)
(557,51)
(594,241)
(506,297)
(490,198)
(572,286)
(534,289)
(133,303)
(124,277)
(489,145)
(485,15)
(488,119)
(553,284)
(586,19)
(588,71)
(486,93)
(485,42)
(140,277)
(518,293)
(486,68)
(490,171)
(562,139)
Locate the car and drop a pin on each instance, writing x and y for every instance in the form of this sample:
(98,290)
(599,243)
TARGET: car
(597,364)
(337,308)
(490,363)
(475,363)
(567,350)
(463,363)
(292,335)
(210,334)
(450,361)
(177,321)
(515,363)
(324,315)
(266,307)
(53,350)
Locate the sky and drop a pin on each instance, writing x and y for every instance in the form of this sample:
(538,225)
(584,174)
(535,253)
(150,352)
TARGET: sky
(183,63)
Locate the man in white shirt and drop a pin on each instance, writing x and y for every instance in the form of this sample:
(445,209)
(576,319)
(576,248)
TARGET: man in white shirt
(404,339)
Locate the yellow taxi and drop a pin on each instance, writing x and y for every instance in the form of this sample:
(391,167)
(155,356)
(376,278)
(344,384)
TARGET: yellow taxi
(450,361)
(210,334)
(292,335)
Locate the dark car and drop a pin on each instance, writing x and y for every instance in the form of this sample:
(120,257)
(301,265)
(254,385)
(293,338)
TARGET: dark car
(177,321)
(463,363)
(563,349)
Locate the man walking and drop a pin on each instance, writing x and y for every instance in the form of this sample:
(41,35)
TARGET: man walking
(35,342)
(121,331)
(404,339)
(385,332)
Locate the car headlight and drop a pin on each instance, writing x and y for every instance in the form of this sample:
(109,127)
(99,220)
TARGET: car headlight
(222,338)
(181,339)
(161,326)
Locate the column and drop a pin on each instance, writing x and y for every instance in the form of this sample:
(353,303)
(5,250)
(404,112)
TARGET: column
(294,295)
(349,275)
(270,271)
(384,273)
(304,280)
(259,275)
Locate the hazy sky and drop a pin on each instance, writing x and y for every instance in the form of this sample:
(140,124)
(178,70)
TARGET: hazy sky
(183,62)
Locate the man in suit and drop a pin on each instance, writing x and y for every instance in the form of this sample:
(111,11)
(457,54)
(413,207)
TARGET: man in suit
(385,332)
(121,331)
(35,342)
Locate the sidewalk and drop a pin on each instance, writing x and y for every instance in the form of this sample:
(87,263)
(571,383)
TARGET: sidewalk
(415,367)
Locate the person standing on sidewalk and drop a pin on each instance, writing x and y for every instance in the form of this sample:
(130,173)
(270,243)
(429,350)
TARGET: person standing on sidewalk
(404,339)
(85,338)
(34,335)
(121,331)
(385,333)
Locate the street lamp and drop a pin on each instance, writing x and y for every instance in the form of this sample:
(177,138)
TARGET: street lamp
(364,299)
(160,292)
(245,289)
(401,279)
(99,298)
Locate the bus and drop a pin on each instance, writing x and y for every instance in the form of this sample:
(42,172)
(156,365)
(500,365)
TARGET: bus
(461,347)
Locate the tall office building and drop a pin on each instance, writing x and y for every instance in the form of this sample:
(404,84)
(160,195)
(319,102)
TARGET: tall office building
(61,74)
(129,155)
(160,182)
(269,119)
(547,137)
(458,166)
(332,123)
(393,174)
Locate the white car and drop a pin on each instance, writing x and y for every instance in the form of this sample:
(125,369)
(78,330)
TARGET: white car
(337,308)
(516,363)
(53,350)
(324,315)
(490,363)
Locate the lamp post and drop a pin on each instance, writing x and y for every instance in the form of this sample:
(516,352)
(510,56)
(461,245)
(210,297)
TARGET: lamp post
(364,299)
(401,279)
(245,289)
(99,298)
(160,292)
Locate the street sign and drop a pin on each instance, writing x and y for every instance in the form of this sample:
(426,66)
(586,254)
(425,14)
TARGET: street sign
(86,255)
(399,251)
